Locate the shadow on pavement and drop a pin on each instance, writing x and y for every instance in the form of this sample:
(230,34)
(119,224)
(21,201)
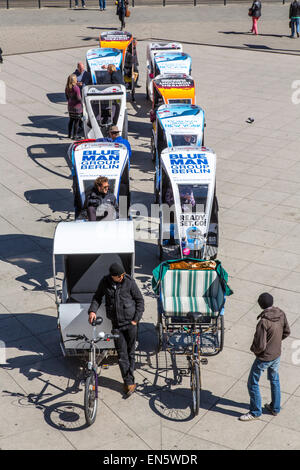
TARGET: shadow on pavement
(57,98)
(58,200)
(44,154)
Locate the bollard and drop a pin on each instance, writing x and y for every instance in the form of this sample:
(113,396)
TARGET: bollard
(39,2)
(164,3)
(133,3)
(195,3)
(7,4)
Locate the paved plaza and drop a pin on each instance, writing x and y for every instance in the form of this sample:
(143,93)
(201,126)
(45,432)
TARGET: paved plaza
(258,185)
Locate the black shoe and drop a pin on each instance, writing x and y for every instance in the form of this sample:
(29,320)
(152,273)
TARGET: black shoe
(268,407)
(297,35)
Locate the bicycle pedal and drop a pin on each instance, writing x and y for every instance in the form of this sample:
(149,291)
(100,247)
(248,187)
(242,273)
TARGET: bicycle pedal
(204,361)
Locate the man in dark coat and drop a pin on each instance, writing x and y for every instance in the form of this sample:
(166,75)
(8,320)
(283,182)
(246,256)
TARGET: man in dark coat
(295,17)
(271,329)
(124,307)
(101,203)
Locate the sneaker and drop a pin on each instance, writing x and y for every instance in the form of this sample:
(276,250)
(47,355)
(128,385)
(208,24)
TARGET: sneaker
(269,408)
(248,417)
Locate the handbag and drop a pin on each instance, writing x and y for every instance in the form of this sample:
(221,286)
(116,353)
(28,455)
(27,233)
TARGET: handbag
(250,12)
(127,13)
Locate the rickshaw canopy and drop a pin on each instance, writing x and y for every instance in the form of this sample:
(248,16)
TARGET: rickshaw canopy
(93,159)
(178,120)
(115,236)
(175,88)
(173,62)
(117,40)
(99,58)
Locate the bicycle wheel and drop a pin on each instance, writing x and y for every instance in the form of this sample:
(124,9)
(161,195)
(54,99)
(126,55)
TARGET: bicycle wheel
(90,399)
(195,387)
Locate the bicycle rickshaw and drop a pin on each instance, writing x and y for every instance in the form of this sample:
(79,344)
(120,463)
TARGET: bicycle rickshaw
(98,59)
(154,48)
(191,299)
(177,125)
(185,189)
(125,42)
(91,159)
(172,89)
(86,250)
(104,106)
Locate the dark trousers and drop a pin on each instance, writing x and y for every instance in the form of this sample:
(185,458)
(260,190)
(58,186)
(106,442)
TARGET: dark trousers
(73,122)
(125,346)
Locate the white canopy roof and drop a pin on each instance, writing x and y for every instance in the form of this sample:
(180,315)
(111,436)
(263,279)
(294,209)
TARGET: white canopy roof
(81,237)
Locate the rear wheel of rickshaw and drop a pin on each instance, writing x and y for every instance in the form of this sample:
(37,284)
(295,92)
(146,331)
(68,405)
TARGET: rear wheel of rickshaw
(147,93)
(90,399)
(159,331)
(220,331)
(125,126)
(195,387)
(153,153)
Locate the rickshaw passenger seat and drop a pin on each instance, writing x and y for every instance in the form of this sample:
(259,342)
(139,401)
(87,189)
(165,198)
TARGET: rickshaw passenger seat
(185,291)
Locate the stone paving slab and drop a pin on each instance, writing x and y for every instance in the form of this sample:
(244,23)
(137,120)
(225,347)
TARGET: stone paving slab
(258,184)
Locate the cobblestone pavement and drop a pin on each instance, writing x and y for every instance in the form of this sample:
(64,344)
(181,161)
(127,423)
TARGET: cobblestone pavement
(258,185)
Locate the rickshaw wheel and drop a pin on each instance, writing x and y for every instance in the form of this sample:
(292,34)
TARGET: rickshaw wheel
(90,399)
(195,387)
(147,93)
(159,330)
(220,331)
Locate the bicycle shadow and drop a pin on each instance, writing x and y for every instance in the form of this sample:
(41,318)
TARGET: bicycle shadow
(166,384)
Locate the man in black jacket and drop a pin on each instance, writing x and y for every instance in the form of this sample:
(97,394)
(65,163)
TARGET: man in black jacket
(100,202)
(295,17)
(124,307)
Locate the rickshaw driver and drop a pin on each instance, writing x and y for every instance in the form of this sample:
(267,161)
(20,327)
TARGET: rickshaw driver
(101,200)
(124,307)
(115,137)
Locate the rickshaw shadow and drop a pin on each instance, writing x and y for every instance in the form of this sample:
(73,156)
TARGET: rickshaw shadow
(42,153)
(33,255)
(57,98)
(166,383)
(58,200)
(52,123)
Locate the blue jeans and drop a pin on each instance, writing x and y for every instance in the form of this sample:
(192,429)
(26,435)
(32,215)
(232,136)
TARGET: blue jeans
(102,4)
(295,22)
(253,386)
(82,3)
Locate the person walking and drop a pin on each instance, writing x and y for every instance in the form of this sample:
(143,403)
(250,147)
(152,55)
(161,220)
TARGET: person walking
(295,18)
(122,6)
(73,96)
(255,12)
(271,329)
(102,5)
(124,305)
(82,4)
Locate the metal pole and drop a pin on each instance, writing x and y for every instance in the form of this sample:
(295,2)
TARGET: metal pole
(39,3)
(7,4)
(195,3)
(70,4)
(133,3)
(164,3)
(225,3)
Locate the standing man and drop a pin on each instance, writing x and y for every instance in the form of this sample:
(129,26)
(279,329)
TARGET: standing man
(83,77)
(271,329)
(295,17)
(82,3)
(124,307)
(114,134)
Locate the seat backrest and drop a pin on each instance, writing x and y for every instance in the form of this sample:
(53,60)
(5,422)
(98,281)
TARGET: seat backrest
(193,284)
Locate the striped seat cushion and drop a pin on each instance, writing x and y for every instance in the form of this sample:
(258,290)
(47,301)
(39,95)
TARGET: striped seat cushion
(186,291)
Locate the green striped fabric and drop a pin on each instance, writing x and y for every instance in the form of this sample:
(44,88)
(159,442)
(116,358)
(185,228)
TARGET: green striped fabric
(186,291)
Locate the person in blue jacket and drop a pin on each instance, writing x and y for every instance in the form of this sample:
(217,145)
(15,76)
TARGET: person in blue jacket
(114,136)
